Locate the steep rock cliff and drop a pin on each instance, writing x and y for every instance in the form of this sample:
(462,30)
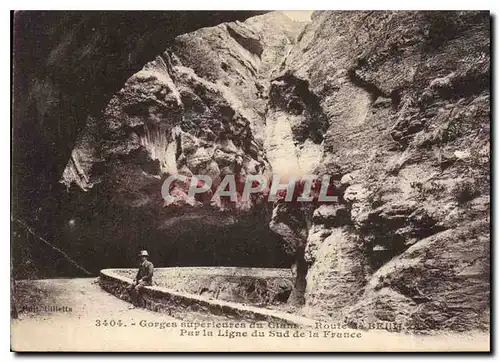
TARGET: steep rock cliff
(394,106)
(406,98)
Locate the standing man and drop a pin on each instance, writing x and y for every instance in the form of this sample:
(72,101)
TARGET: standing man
(144,277)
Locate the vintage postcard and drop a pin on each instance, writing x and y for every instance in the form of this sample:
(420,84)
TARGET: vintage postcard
(250,181)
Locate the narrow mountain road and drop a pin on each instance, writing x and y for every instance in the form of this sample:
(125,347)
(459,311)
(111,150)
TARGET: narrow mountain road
(76,315)
(70,314)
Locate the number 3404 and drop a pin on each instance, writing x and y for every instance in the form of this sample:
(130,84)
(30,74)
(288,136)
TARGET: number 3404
(108,323)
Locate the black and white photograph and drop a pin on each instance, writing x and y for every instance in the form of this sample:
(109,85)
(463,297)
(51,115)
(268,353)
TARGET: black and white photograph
(250,181)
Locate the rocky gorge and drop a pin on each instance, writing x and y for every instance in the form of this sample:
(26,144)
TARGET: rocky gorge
(393,106)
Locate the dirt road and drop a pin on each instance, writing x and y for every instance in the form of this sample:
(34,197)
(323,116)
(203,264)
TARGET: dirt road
(76,315)
(70,314)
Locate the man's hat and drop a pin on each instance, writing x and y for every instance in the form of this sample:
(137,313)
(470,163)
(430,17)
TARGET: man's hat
(143,253)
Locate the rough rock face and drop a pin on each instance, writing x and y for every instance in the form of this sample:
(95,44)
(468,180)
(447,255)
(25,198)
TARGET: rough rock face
(197,109)
(66,67)
(406,97)
(394,106)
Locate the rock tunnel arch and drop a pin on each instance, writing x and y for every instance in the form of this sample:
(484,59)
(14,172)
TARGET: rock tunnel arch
(67,66)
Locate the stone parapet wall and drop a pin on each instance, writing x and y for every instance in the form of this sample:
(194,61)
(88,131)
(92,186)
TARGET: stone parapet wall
(189,306)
